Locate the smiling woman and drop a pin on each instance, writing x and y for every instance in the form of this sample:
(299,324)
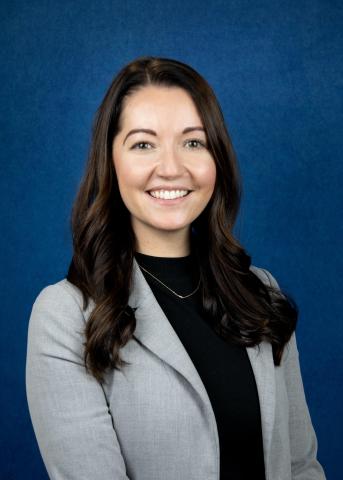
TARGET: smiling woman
(165,354)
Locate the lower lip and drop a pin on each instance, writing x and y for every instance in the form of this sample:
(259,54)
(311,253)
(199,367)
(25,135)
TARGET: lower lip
(174,201)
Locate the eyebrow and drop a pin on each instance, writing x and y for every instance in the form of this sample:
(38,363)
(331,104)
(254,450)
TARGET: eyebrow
(152,132)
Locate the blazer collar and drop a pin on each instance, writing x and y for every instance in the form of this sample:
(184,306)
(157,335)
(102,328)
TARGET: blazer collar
(154,330)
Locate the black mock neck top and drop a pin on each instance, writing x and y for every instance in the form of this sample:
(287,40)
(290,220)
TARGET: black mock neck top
(224,368)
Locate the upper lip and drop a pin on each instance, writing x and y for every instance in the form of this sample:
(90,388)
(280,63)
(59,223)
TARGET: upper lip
(176,187)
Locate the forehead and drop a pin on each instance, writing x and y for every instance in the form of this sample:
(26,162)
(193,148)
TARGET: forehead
(159,103)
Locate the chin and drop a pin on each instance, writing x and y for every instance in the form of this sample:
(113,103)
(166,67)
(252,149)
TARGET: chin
(171,227)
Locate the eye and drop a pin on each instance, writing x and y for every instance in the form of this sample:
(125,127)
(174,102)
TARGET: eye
(139,146)
(196,144)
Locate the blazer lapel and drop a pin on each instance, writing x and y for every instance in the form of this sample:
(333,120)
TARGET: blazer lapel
(263,367)
(154,330)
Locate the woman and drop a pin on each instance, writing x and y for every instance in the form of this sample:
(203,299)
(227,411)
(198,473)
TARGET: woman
(164,354)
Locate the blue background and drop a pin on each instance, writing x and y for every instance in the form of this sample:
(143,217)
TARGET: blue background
(276,67)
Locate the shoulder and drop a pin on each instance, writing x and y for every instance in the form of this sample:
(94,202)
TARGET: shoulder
(57,313)
(265,276)
(62,293)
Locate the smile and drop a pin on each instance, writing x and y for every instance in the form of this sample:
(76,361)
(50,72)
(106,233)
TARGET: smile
(168,201)
(168,194)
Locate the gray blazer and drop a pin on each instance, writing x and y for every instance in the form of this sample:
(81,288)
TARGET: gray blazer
(153,420)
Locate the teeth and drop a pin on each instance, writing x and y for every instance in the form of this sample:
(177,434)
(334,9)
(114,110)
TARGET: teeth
(168,194)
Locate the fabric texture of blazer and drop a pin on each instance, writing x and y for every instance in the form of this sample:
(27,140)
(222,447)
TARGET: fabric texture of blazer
(153,420)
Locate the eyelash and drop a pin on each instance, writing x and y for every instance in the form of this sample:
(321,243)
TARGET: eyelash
(148,143)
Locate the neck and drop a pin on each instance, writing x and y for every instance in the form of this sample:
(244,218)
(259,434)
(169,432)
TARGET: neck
(165,243)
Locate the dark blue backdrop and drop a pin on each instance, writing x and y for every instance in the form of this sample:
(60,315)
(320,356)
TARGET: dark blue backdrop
(276,67)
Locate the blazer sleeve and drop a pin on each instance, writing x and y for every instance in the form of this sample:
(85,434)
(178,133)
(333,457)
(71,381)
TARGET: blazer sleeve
(68,407)
(303,440)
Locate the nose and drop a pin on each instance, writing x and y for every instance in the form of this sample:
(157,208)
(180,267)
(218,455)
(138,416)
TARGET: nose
(170,163)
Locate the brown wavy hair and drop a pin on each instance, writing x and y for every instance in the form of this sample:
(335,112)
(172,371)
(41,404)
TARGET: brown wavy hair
(241,308)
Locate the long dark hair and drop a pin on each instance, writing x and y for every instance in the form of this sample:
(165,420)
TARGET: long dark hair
(242,308)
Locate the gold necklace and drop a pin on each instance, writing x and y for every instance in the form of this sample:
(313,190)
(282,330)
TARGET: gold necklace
(180,296)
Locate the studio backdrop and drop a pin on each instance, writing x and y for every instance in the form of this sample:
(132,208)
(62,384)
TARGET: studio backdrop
(276,68)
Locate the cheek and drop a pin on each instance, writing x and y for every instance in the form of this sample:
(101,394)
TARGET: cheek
(124,180)
(128,175)
(207,175)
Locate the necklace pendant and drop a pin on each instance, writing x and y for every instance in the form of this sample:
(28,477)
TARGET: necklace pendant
(179,296)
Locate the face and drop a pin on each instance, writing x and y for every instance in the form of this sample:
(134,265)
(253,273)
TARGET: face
(170,156)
